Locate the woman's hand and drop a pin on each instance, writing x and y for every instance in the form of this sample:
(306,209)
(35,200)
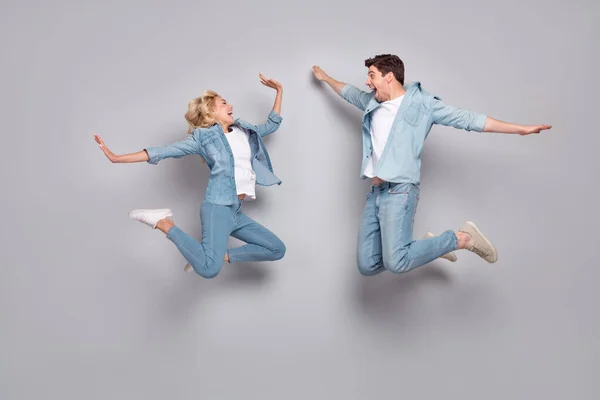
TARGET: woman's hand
(109,154)
(140,156)
(272,83)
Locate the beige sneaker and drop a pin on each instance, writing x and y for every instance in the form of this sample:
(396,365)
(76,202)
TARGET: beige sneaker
(480,244)
(450,256)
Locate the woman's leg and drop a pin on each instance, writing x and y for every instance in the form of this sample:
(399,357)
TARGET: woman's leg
(262,244)
(205,257)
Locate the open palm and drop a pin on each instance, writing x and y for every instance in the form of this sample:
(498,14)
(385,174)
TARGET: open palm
(528,130)
(109,154)
(319,73)
(272,83)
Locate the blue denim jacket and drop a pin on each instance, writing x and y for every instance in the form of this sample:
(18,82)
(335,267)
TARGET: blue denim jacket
(419,110)
(213,146)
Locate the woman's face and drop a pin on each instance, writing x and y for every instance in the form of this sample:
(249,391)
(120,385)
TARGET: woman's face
(223,111)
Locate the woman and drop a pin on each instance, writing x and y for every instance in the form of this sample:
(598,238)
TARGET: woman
(238,160)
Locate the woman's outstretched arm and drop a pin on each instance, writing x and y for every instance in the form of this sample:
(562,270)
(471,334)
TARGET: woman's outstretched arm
(153,154)
(125,158)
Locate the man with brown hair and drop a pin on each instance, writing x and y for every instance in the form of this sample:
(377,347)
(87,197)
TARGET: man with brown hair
(396,121)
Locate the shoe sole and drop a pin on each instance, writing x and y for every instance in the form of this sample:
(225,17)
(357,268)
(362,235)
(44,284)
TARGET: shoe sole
(485,239)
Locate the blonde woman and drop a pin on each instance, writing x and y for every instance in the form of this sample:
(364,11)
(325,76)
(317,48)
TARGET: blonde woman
(238,160)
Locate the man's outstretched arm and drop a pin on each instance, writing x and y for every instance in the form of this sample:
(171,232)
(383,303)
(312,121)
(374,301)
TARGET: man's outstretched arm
(494,125)
(444,114)
(348,92)
(337,86)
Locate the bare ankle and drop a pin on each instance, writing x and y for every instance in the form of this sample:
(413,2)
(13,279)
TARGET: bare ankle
(464,240)
(164,225)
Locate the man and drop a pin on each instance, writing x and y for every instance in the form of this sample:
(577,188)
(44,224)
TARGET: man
(396,121)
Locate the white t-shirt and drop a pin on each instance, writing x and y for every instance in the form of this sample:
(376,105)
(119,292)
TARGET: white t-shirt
(382,120)
(245,179)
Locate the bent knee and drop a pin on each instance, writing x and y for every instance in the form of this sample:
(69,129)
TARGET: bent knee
(367,266)
(398,262)
(279,251)
(207,270)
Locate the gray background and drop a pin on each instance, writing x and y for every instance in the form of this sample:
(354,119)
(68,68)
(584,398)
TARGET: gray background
(95,306)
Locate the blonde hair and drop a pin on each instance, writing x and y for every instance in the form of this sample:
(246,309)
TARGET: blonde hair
(200,111)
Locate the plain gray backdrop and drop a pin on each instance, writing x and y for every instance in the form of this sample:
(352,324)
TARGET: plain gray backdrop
(96,306)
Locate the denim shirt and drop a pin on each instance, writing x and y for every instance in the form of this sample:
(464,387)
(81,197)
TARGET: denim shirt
(213,146)
(400,161)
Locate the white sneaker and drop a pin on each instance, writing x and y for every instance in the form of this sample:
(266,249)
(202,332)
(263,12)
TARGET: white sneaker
(480,244)
(450,256)
(150,217)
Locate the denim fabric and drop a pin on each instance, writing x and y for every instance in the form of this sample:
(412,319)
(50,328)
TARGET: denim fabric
(212,145)
(385,239)
(218,223)
(401,158)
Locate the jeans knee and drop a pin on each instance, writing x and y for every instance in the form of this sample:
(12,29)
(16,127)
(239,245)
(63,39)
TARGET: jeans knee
(364,271)
(279,250)
(398,262)
(366,265)
(207,270)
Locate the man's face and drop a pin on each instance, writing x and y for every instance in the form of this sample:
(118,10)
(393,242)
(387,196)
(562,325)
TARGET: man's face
(377,83)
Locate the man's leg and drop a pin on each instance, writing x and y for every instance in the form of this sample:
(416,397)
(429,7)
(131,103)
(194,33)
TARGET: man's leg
(401,253)
(369,257)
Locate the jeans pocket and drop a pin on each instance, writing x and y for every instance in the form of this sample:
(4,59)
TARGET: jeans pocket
(400,188)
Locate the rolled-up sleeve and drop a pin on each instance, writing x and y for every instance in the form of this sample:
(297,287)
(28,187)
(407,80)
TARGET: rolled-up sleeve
(355,96)
(455,117)
(174,150)
(270,126)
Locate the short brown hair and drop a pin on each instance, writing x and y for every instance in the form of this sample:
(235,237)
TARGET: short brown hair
(388,63)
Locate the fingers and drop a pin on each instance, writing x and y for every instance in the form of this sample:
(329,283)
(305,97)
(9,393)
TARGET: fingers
(99,140)
(269,82)
(264,79)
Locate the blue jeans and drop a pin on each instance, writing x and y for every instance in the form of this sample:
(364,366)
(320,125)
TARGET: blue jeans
(385,239)
(218,223)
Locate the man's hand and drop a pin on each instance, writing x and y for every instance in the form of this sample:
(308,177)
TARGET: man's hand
(337,86)
(494,125)
(319,73)
(528,130)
